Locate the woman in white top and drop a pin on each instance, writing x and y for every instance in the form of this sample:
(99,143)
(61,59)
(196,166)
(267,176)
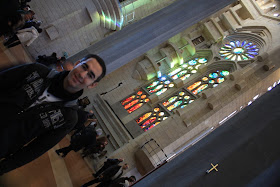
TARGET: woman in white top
(25,36)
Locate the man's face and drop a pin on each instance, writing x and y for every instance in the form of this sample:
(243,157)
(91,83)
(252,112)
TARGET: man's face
(83,75)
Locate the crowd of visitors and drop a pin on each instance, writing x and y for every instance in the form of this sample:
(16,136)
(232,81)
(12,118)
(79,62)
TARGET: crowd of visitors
(18,24)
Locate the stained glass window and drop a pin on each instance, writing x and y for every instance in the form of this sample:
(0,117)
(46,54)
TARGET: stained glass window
(181,99)
(160,86)
(134,101)
(152,118)
(187,69)
(210,81)
(237,50)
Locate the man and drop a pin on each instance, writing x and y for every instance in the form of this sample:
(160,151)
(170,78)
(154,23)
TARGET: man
(110,174)
(122,182)
(109,162)
(37,107)
(87,136)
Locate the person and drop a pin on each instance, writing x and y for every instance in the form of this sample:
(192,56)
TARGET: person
(107,164)
(96,148)
(25,36)
(80,140)
(38,107)
(110,174)
(84,102)
(122,182)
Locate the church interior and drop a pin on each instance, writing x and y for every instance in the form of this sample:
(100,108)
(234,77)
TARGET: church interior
(178,71)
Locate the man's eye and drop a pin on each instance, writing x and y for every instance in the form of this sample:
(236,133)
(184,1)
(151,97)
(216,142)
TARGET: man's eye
(84,67)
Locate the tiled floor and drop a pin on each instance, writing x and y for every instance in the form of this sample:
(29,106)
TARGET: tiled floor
(49,170)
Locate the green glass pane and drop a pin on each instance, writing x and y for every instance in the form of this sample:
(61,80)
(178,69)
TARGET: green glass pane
(161,91)
(224,73)
(153,84)
(175,71)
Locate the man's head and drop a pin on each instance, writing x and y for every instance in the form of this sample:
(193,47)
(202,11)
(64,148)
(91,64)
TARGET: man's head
(132,179)
(125,166)
(86,74)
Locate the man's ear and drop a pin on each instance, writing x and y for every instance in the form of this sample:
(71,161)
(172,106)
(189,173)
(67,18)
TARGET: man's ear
(93,85)
(76,63)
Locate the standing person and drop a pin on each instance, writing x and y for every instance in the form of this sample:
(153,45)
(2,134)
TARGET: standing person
(38,107)
(107,164)
(110,174)
(80,140)
(25,36)
(122,182)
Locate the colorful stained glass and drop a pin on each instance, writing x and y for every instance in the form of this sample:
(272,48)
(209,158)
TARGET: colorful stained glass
(143,96)
(128,99)
(156,88)
(194,71)
(139,93)
(175,105)
(175,71)
(205,78)
(202,60)
(161,114)
(220,80)
(155,124)
(191,101)
(135,107)
(197,66)
(131,104)
(171,85)
(185,77)
(200,89)
(224,73)
(170,100)
(187,97)
(213,75)
(183,106)
(192,62)
(156,109)
(148,122)
(181,93)
(162,78)
(167,82)
(194,85)
(211,81)
(179,74)
(144,117)
(215,85)
(238,51)
(146,100)
(161,91)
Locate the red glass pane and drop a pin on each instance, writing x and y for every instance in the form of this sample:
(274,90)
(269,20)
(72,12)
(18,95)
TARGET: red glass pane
(145,116)
(148,122)
(139,93)
(134,107)
(131,103)
(128,99)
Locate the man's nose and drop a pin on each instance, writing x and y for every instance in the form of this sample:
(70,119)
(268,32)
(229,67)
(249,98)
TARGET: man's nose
(83,74)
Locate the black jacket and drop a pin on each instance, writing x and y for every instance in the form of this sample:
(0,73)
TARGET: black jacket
(28,132)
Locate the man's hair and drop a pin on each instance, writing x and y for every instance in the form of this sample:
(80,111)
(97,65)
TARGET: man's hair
(132,178)
(101,63)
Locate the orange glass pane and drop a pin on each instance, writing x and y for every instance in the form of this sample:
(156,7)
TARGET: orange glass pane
(156,109)
(145,116)
(128,99)
(134,107)
(143,96)
(146,100)
(194,85)
(131,103)
(139,93)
